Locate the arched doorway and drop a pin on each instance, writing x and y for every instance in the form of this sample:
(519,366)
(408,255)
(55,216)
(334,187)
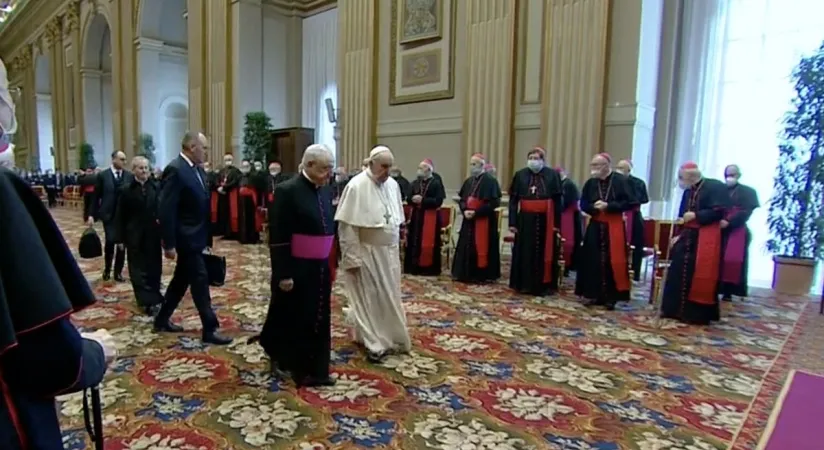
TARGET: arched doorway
(163,72)
(173,123)
(97,88)
(45,130)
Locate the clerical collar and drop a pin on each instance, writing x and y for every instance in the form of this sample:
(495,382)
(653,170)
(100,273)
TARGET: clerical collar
(306,177)
(186,158)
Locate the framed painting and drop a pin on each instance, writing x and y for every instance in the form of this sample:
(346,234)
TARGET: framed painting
(419,20)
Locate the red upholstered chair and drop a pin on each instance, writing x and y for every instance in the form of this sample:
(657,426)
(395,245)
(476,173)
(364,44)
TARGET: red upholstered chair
(447,218)
(664,232)
(41,192)
(650,225)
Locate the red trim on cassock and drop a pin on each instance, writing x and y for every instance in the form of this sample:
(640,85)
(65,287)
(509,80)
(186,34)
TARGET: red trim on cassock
(428,230)
(271,197)
(88,189)
(15,418)
(481,232)
(250,192)
(234,212)
(617,247)
(546,207)
(213,201)
(707,263)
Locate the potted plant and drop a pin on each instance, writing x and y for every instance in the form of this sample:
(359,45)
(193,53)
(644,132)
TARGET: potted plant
(257,136)
(796,205)
(87,156)
(146,147)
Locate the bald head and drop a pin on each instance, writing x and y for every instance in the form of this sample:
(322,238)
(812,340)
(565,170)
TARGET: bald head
(194,145)
(118,160)
(624,167)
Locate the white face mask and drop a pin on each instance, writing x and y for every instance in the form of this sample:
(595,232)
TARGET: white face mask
(535,165)
(595,173)
(732,181)
(683,185)
(244,170)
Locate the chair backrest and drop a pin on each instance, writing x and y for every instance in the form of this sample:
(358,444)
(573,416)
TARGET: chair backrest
(650,227)
(499,214)
(666,230)
(407,211)
(447,215)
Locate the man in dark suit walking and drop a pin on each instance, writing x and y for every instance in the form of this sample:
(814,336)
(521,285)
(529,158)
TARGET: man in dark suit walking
(184,224)
(104,205)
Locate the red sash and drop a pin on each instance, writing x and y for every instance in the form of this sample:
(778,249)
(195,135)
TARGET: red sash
(707,262)
(88,189)
(734,252)
(213,206)
(428,230)
(481,232)
(249,192)
(617,247)
(546,207)
(630,221)
(234,213)
(568,231)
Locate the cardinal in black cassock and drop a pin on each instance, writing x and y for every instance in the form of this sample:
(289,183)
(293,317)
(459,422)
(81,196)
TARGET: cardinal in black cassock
(249,221)
(691,287)
(572,225)
(272,180)
(603,266)
(535,205)
(42,355)
(633,218)
(403,183)
(477,255)
(736,236)
(423,238)
(228,201)
(297,334)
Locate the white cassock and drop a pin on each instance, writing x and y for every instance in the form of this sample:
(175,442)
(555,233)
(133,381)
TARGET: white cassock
(369,217)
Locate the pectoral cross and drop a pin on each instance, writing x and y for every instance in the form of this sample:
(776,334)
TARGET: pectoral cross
(532,190)
(387,216)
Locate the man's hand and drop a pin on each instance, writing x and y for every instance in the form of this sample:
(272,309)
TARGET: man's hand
(220,190)
(207,251)
(90,221)
(724,223)
(106,341)
(335,202)
(674,241)
(286,285)
(416,199)
(469,214)
(120,247)
(689,216)
(600,205)
(170,254)
(513,230)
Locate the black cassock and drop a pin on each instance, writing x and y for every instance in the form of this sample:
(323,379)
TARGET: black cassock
(87,183)
(535,205)
(572,227)
(248,219)
(228,203)
(136,226)
(478,255)
(635,224)
(603,268)
(270,182)
(404,185)
(296,334)
(423,239)
(41,353)
(691,288)
(736,239)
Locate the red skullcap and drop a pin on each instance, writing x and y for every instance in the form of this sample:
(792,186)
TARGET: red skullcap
(538,149)
(559,169)
(689,166)
(606,156)
(479,156)
(429,163)
(489,166)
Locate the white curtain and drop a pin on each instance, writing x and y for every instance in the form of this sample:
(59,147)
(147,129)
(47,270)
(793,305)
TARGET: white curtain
(730,112)
(320,50)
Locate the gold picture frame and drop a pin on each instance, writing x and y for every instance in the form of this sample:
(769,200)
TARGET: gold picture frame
(394,48)
(419,24)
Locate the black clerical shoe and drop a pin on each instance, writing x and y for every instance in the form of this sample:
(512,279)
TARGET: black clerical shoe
(167,327)
(216,339)
(314,382)
(107,276)
(151,310)
(119,278)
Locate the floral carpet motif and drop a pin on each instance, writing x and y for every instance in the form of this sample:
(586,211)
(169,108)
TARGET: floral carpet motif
(489,370)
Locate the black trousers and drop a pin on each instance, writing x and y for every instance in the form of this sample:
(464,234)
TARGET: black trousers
(145,269)
(111,253)
(190,272)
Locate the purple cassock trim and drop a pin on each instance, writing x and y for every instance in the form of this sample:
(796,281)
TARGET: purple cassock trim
(733,261)
(305,246)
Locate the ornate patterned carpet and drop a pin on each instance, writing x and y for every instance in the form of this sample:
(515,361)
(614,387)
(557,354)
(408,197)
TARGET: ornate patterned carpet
(489,370)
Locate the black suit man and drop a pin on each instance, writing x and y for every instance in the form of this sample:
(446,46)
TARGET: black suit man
(104,205)
(185,228)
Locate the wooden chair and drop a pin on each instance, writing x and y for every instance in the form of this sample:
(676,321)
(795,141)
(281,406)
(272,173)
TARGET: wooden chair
(447,219)
(650,225)
(665,230)
(505,235)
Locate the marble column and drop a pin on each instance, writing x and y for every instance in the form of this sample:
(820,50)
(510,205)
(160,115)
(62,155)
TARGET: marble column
(149,80)
(130,114)
(116,12)
(632,82)
(57,67)
(357,87)
(197,40)
(93,115)
(219,77)
(574,69)
(488,107)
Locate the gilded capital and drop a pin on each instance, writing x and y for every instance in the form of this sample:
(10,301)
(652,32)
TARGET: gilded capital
(73,16)
(54,31)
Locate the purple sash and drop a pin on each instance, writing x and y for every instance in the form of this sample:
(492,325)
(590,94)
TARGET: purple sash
(733,262)
(305,246)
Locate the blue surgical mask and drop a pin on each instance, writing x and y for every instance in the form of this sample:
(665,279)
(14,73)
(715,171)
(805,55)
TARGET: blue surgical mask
(535,165)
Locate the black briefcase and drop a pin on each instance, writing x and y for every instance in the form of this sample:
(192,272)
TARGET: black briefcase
(90,246)
(216,268)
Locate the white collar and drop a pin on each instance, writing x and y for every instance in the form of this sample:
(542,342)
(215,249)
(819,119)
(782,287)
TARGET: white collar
(116,170)
(186,158)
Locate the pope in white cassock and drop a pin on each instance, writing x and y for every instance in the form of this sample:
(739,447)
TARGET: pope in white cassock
(369,216)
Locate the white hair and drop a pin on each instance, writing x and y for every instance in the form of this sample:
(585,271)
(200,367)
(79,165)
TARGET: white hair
(317,152)
(139,160)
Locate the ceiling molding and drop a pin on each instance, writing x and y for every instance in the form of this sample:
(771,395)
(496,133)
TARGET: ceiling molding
(301,8)
(18,31)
